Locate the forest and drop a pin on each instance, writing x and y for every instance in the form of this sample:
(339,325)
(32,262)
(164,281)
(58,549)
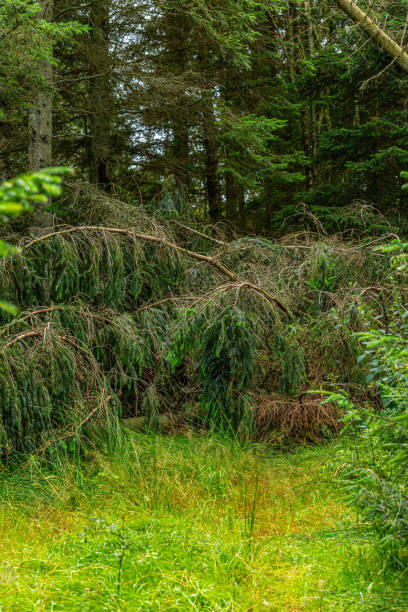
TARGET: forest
(203,305)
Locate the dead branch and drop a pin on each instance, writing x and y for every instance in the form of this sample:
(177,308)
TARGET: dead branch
(28,316)
(40,332)
(73,433)
(164,301)
(82,423)
(23,336)
(194,231)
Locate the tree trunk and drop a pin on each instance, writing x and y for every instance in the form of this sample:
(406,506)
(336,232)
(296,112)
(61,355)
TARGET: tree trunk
(210,145)
(231,196)
(213,186)
(295,35)
(40,127)
(100,95)
(178,33)
(40,117)
(393,49)
(181,151)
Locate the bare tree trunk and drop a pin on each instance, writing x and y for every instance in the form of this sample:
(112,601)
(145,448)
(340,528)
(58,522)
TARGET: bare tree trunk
(100,95)
(393,49)
(233,190)
(210,146)
(40,117)
(213,185)
(311,53)
(40,127)
(178,32)
(295,34)
(235,198)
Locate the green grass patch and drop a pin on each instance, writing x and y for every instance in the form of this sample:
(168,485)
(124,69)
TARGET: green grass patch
(188,524)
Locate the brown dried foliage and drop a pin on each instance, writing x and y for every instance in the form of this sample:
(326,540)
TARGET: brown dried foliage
(299,420)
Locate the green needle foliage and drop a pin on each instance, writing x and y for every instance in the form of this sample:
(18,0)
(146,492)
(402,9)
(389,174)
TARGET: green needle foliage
(159,333)
(223,340)
(123,322)
(19,195)
(27,43)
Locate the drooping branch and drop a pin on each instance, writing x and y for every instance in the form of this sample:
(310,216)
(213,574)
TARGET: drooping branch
(71,434)
(213,261)
(194,231)
(37,333)
(23,336)
(388,44)
(34,313)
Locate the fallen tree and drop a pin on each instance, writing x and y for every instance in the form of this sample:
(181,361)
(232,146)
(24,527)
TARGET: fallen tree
(212,260)
(162,322)
(377,34)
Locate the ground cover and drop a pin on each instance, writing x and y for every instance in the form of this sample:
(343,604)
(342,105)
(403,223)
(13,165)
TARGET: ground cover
(188,523)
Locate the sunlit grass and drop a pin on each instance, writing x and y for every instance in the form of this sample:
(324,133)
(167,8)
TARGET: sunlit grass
(187,524)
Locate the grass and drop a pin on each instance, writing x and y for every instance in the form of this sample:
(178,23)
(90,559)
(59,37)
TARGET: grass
(187,524)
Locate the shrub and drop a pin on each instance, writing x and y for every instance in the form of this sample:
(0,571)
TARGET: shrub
(376,476)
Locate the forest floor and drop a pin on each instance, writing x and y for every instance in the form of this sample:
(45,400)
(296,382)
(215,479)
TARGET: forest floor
(188,523)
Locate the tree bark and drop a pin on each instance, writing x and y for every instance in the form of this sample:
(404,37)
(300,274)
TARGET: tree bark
(40,116)
(178,34)
(235,199)
(210,141)
(387,44)
(213,185)
(231,196)
(295,34)
(100,96)
(40,128)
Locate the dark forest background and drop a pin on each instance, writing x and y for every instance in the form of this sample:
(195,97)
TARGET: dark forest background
(249,112)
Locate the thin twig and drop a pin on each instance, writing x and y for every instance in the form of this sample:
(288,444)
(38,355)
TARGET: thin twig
(73,433)
(41,332)
(164,301)
(194,231)
(28,316)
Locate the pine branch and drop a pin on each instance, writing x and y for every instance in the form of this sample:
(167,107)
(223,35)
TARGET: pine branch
(171,245)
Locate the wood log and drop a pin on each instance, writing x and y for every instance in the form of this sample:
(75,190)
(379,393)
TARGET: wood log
(387,44)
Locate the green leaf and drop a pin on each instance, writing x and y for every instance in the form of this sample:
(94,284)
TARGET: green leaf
(7,307)
(7,249)
(11,208)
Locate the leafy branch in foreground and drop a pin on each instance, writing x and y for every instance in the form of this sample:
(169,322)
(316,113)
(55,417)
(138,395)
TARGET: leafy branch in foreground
(19,195)
(376,476)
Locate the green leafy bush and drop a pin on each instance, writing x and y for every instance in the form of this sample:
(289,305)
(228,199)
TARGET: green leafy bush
(376,476)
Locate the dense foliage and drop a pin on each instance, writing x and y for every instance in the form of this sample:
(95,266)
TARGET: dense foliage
(140,318)
(245,110)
